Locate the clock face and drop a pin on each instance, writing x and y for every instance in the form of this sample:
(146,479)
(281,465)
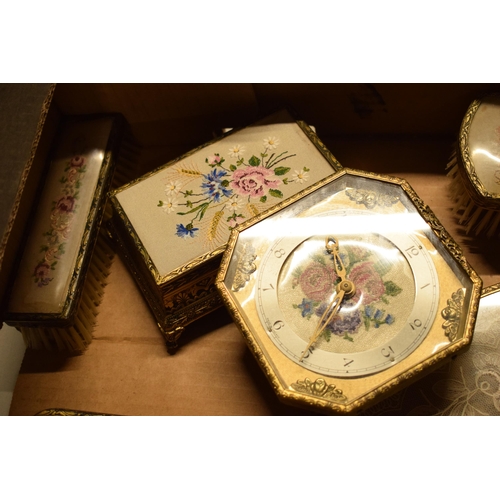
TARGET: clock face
(385,318)
(348,290)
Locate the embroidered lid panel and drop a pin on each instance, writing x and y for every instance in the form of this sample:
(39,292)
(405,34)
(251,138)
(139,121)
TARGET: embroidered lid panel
(480,143)
(187,208)
(53,253)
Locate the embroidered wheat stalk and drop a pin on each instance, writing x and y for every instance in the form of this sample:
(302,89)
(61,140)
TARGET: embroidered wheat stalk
(253,209)
(190,172)
(214,225)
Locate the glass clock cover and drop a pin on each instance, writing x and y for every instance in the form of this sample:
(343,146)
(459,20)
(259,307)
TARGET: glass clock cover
(348,290)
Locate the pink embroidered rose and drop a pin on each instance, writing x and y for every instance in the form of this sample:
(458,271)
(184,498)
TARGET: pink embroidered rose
(60,221)
(73,175)
(317,281)
(214,160)
(64,233)
(65,204)
(253,181)
(234,221)
(368,282)
(42,270)
(51,254)
(77,161)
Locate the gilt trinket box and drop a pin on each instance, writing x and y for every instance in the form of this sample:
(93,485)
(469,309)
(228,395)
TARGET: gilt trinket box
(173,224)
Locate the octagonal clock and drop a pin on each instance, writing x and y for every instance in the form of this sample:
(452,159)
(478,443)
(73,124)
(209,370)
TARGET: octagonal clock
(348,291)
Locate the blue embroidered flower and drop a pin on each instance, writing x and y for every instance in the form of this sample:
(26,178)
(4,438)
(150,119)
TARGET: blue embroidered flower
(343,322)
(214,186)
(370,311)
(185,231)
(306,307)
(375,317)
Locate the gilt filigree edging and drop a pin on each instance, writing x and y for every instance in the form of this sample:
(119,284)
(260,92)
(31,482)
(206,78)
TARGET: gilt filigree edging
(320,388)
(370,199)
(452,314)
(244,268)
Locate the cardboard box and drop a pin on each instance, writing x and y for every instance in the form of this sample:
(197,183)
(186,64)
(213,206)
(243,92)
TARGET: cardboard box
(405,130)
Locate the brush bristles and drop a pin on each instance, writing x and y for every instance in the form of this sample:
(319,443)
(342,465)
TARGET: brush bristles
(78,336)
(126,163)
(474,218)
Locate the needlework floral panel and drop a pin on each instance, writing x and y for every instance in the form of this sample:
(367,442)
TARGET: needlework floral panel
(189,208)
(60,218)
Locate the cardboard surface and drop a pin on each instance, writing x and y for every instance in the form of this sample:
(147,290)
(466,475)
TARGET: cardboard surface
(126,369)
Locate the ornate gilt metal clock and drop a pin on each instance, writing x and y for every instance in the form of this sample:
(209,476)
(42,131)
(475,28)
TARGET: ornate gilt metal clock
(348,290)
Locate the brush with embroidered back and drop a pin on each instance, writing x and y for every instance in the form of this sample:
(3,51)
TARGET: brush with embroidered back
(474,168)
(65,260)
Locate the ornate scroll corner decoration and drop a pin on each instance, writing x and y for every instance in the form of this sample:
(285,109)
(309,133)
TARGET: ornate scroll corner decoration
(370,199)
(321,389)
(452,314)
(244,268)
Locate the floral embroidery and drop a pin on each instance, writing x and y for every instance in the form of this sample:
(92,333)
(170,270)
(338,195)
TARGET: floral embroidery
(271,143)
(317,281)
(236,150)
(173,187)
(254,182)
(300,176)
(185,231)
(236,191)
(63,211)
(170,205)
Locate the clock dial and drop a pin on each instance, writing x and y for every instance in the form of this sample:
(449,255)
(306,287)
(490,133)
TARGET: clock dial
(393,305)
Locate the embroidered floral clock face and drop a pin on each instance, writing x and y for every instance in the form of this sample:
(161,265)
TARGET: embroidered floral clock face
(345,292)
(392,305)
